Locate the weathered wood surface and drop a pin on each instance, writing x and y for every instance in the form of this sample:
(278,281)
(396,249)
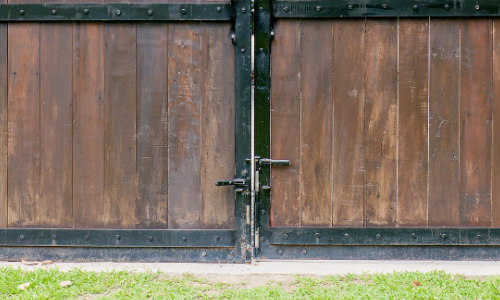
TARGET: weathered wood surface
(416,147)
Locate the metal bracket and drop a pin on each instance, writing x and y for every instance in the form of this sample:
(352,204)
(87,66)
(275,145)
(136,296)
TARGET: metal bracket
(274,162)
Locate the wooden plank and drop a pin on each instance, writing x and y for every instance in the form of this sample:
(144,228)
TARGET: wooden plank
(316,125)
(88,125)
(56,55)
(444,146)
(217,126)
(184,115)
(120,185)
(496,127)
(152,125)
(3,124)
(475,116)
(413,126)
(23,125)
(381,123)
(348,118)
(285,123)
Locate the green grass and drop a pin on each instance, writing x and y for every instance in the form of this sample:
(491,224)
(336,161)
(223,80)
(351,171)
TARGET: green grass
(154,285)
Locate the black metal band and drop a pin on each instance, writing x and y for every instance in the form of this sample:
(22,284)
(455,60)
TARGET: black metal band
(117,238)
(115,12)
(385,8)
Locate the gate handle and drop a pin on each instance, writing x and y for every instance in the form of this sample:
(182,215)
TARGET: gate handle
(274,162)
(237,182)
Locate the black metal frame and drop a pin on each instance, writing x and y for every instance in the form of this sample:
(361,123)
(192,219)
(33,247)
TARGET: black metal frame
(353,243)
(150,244)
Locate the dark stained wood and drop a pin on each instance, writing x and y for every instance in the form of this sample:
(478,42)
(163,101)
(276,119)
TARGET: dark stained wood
(120,184)
(381,123)
(316,123)
(475,116)
(285,123)
(56,55)
(88,125)
(3,124)
(444,147)
(496,127)
(152,125)
(413,117)
(348,118)
(217,126)
(23,125)
(185,93)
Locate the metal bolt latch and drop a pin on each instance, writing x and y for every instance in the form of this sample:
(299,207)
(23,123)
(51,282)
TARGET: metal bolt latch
(274,162)
(237,182)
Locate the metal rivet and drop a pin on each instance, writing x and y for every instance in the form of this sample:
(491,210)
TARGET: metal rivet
(261,50)
(285,236)
(261,9)
(150,12)
(444,235)
(86,11)
(447,6)
(204,253)
(286,8)
(150,238)
(21,237)
(318,8)
(21,12)
(316,235)
(183,11)
(262,239)
(243,50)
(53,12)
(219,9)
(118,12)
(217,238)
(272,34)
(477,7)
(378,236)
(384,6)
(415,7)
(243,9)
(478,237)
(184,239)
(87,237)
(304,251)
(349,7)
(118,237)
(54,237)
(346,235)
(263,211)
(280,252)
(413,236)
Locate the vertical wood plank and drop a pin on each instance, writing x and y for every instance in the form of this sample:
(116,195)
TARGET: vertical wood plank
(496,127)
(413,126)
(475,116)
(120,184)
(3,123)
(285,123)
(349,106)
(444,123)
(218,126)
(23,125)
(88,125)
(381,122)
(152,125)
(56,55)
(316,125)
(184,132)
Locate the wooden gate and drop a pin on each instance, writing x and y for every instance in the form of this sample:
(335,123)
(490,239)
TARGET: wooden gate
(389,114)
(115,122)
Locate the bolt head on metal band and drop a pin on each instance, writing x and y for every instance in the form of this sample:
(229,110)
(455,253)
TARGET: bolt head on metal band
(477,7)
(86,11)
(244,10)
(384,6)
(415,7)
(150,12)
(318,8)
(349,7)
(286,8)
(118,12)
(183,11)
(447,6)
(53,12)
(21,12)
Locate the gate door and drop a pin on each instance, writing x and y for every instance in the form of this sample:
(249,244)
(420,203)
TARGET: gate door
(388,112)
(116,120)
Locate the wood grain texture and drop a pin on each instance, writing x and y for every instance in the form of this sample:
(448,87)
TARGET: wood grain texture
(217,126)
(23,123)
(185,82)
(120,184)
(444,146)
(3,124)
(316,126)
(348,134)
(495,163)
(475,116)
(152,125)
(413,126)
(88,125)
(285,123)
(381,123)
(56,55)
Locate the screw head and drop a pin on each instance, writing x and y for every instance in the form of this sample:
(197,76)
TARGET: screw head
(261,50)
(150,12)
(54,237)
(285,236)
(415,7)
(261,9)
(444,236)
(53,12)
(217,238)
(204,253)
(219,9)
(150,238)
(318,8)
(280,252)
(87,237)
(413,236)
(346,235)
(183,11)
(243,9)
(304,251)
(384,6)
(349,7)
(477,7)
(184,239)
(478,237)
(86,11)
(243,50)
(447,6)
(378,236)
(21,12)
(118,237)
(286,8)
(118,12)
(317,235)
(21,237)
